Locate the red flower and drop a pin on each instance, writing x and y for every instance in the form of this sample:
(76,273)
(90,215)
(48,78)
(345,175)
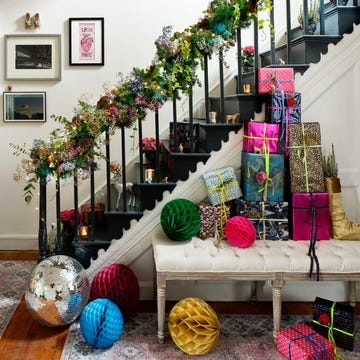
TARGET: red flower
(68,215)
(324,319)
(291,102)
(260,177)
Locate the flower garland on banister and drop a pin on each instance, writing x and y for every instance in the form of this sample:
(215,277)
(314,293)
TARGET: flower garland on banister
(76,146)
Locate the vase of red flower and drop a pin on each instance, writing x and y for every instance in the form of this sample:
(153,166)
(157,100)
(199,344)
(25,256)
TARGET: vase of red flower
(247,58)
(68,227)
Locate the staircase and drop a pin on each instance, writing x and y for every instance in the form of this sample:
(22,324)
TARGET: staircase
(219,144)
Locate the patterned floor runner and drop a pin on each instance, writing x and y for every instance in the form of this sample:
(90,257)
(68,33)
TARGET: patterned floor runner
(13,283)
(242,337)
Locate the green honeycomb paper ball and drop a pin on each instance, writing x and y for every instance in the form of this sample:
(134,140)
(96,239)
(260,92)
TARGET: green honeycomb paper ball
(180,219)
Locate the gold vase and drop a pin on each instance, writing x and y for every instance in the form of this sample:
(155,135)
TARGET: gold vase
(341,227)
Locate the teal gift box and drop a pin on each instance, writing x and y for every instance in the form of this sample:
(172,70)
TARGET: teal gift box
(262,176)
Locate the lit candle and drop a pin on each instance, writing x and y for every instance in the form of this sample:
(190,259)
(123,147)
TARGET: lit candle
(84,232)
(149,175)
(212,116)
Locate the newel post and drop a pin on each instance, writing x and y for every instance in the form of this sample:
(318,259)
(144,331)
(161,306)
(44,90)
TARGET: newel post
(42,237)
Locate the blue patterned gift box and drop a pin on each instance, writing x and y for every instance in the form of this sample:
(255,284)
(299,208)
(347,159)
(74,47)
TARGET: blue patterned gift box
(269,218)
(284,109)
(262,176)
(222,185)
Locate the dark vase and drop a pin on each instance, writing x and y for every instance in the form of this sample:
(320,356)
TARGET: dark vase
(150,162)
(67,233)
(312,28)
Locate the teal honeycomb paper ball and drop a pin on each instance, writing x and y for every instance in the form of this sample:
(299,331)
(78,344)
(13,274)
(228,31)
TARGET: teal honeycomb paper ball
(180,219)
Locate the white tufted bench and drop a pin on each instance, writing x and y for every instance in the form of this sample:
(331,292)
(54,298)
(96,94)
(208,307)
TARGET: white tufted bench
(276,261)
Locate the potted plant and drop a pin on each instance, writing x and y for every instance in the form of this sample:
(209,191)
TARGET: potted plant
(313,16)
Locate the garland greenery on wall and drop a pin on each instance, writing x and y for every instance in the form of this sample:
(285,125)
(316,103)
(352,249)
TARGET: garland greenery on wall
(76,145)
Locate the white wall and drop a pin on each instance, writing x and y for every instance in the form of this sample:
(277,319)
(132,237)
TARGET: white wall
(131,28)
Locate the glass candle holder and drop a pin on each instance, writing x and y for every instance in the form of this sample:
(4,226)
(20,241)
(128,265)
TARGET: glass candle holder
(84,232)
(212,116)
(149,175)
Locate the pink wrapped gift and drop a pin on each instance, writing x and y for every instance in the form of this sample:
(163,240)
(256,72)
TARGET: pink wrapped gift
(310,216)
(262,136)
(276,80)
(301,342)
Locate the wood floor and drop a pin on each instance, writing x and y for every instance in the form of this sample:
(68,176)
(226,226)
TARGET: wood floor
(26,339)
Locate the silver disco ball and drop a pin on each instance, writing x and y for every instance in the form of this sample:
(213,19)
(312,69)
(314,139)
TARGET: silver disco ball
(58,291)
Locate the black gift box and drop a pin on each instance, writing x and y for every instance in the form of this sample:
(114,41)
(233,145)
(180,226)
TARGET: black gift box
(342,318)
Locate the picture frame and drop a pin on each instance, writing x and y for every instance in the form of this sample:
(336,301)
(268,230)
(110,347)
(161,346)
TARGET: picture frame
(33,57)
(25,106)
(86,41)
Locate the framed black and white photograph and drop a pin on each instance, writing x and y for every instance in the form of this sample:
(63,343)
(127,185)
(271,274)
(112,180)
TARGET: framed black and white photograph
(32,57)
(86,45)
(24,106)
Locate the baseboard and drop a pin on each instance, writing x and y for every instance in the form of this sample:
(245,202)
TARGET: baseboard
(18,242)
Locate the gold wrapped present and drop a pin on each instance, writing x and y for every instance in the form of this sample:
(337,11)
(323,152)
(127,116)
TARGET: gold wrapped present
(305,158)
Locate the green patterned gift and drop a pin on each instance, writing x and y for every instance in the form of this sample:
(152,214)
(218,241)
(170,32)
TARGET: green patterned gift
(222,185)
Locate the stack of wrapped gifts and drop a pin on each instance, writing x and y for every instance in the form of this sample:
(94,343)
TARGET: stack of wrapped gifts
(281,190)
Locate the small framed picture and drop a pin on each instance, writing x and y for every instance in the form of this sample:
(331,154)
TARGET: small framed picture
(24,106)
(86,37)
(32,57)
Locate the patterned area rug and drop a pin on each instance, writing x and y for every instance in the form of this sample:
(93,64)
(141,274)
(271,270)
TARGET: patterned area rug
(13,283)
(242,337)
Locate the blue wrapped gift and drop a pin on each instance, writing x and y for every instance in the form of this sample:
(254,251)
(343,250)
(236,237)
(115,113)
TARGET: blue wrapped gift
(269,218)
(222,185)
(284,109)
(262,176)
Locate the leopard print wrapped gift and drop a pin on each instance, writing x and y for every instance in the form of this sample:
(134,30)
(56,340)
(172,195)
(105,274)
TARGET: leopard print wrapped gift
(305,158)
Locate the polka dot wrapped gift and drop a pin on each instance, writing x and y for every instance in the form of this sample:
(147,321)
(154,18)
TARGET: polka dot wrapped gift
(302,342)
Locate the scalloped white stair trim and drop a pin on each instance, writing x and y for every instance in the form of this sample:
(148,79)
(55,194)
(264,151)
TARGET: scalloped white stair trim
(137,239)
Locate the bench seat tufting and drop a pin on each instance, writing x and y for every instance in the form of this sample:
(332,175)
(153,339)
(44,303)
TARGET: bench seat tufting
(277,261)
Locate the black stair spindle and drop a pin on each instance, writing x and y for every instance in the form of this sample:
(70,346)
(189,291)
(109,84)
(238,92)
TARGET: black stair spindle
(58,246)
(76,206)
(206,88)
(256,54)
(288,32)
(141,152)
(239,85)
(272,37)
(175,132)
(123,162)
(157,152)
(306,17)
(222,87)
(191,121)
(92,205)
(108,175)
(42,235)
(322,17)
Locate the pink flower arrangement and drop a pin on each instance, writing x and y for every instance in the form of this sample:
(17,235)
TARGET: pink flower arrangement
(68,215)
(149,143)
(247,55)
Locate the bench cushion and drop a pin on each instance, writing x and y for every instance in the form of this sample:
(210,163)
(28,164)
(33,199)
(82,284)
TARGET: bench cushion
(197,255)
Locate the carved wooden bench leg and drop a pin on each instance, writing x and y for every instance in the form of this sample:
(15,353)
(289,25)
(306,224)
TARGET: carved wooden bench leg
(161,300)
(276,292)
(352,293)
